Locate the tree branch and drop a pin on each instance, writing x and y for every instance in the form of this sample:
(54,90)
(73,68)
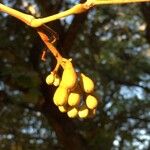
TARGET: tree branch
(31,21)
(102,2)
(77,9)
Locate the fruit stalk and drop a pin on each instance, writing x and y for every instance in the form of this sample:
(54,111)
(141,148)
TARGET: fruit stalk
(46,39)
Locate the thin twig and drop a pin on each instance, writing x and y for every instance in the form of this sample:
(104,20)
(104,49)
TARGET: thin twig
(43,33)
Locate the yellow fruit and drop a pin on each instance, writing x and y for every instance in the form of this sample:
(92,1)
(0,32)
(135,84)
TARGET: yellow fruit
(56,80)
(60,96)
(72,112)
(63,109)
(86,83)
(74,99)
(69,76)
(50,79)
(91,102)
(83,111)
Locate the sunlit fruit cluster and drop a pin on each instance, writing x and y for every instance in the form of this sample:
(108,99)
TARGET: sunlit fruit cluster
(75,92)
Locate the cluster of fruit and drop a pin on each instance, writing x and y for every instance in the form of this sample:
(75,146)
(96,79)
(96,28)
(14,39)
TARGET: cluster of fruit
(74,94)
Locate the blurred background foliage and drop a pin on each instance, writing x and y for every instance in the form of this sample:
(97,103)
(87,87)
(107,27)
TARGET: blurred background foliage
(109,43)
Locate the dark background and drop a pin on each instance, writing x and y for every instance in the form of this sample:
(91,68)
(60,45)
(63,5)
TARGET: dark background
(108,43)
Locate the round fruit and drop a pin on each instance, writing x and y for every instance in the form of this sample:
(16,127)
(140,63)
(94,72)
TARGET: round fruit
(60,96)
(50,79)
(56,80)
(83,112)
(86,83)
(91,102)
(72,112)
(63,109)
(74,99)
(69,76)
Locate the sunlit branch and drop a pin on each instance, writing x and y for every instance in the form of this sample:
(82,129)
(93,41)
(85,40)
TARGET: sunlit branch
(102,2)
(77,9)
(17,14)
(33,22)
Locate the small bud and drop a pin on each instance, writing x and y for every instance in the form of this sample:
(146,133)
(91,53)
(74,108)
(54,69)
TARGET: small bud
(50,79)
(91,102)
(56,80)
(83,111)
(63,109)
(72,112)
